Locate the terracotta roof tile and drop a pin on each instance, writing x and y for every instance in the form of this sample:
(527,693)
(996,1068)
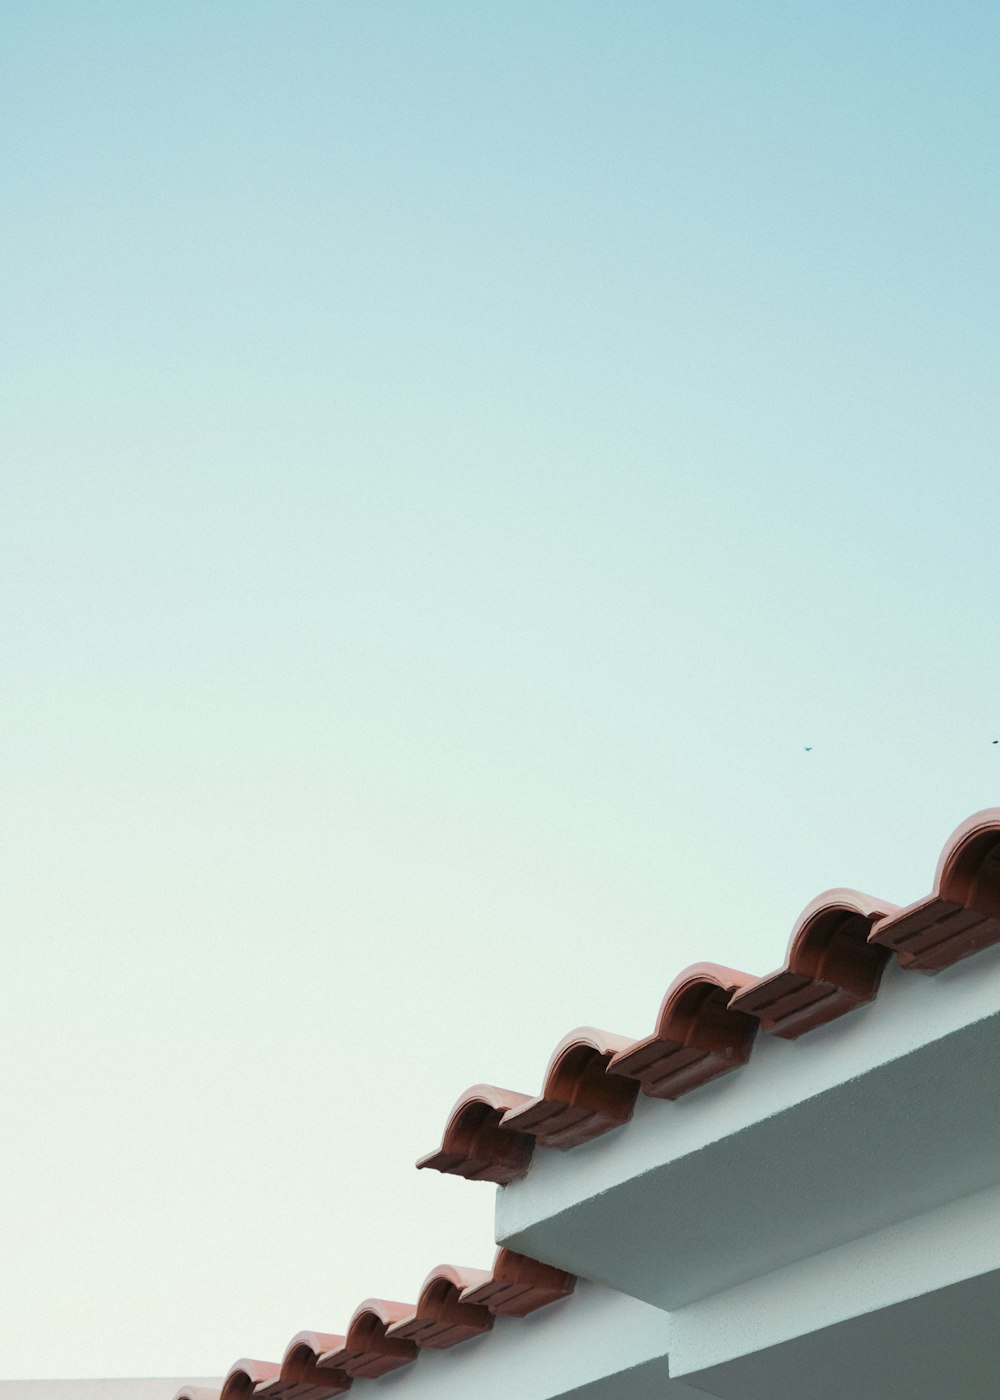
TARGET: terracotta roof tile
(710,1015)
(831,966)
(697,1036)
(520,1285)
(455,1305)
(962,913)
(475,1145)
(706,1026)
(441,1318)
(300,1377)
(244,1376)
(580,1099)
(367,1350)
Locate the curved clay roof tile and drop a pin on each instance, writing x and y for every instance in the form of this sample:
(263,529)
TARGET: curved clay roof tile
(697,1035)
(367,1350)
(245,1375)
(300,1377)
(519,1285)
(442,1319)
(581,1099)
(454,1305)
(830,969)
(476,1145)
(962,914)
(706,1026)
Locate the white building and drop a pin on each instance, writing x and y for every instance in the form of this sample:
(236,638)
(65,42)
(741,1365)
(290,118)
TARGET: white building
(789,1191)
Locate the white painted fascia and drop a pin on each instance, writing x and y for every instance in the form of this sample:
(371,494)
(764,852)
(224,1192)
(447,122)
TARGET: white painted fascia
(945,1246)
(877,1117)
(941,1345)
(586,1342)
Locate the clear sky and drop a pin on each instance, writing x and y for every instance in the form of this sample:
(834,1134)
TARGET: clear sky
(455,458)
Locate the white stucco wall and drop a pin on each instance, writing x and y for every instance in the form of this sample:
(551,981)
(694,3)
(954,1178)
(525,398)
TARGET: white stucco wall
(824,1223)
(871,1120)
(582,1343)
(887,1269)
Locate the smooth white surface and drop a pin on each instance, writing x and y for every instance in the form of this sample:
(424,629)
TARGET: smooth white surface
(875,1118)
(934,1251)
(117,1389)
(584,1341)
(940,1346)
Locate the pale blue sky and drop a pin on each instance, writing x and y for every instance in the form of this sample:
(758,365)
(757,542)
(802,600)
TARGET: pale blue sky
(455,457)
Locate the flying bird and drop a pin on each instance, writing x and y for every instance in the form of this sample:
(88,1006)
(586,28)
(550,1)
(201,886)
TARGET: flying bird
(809,748)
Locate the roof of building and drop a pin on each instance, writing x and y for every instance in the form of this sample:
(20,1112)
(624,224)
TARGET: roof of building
(454,1305)
(706,1026)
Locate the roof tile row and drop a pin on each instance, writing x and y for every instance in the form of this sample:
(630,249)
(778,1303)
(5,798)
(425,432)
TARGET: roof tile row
(454,1306)
(706,1026)
(709,1018)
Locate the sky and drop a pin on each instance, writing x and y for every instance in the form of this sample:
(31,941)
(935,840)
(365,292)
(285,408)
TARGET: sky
(497,502)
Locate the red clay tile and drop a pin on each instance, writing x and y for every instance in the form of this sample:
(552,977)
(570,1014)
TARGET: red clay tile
(475,1145)
(706,1025)
(580,1100)
(366,1350)
(244,1376)
(441,1319)
(300,1378)
(830,969)
(454,1306)
(519,1285)
(962,914)
(697,1035)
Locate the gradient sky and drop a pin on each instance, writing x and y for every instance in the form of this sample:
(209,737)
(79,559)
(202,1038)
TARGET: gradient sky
(455,457)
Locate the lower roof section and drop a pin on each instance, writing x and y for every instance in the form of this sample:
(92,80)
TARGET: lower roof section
(872,1277)
(873,1119)
(941,1344)
(584,1346)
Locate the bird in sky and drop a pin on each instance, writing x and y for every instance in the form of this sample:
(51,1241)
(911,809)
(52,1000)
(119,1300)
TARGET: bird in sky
(809,748)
